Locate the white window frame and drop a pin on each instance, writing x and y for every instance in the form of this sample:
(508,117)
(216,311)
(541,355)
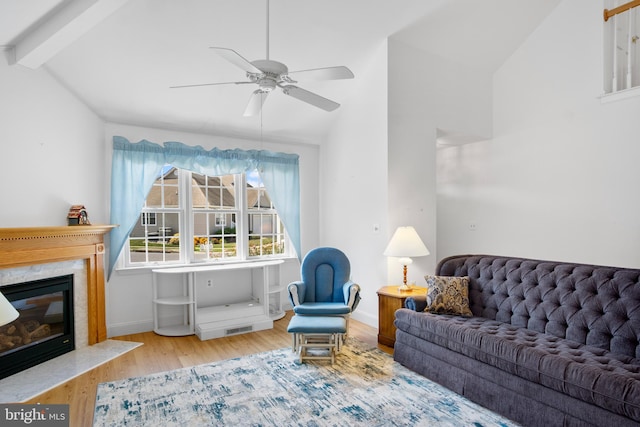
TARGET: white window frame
(187,251)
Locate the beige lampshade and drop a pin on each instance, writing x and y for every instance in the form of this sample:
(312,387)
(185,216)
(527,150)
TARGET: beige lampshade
(406,243)
(7,312)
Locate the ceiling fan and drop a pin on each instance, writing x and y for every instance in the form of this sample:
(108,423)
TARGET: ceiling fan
(269,75)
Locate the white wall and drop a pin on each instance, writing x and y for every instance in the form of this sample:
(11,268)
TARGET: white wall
(558,178)
(426,93)
(379,163)
(51,147)
(129,293)
(353,183)
(411,157)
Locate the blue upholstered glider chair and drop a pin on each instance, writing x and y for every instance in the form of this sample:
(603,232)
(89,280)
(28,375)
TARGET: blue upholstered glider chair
(326,288)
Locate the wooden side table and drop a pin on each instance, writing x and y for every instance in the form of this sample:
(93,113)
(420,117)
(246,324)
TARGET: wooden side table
(391,299)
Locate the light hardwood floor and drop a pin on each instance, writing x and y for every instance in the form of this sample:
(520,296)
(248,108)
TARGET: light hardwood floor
(160,354)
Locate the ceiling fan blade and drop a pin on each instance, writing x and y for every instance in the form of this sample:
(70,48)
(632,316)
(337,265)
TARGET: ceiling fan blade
(328,73)
(255,103)
(209,84)
(310,97)
(236,59)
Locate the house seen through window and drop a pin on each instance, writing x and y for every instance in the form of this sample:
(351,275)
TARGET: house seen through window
(189,217)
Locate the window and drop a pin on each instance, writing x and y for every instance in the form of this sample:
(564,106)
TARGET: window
(221,220)
(266,233)
(152,241)
(148,218)
(229,217)
(215,208)
(138,167)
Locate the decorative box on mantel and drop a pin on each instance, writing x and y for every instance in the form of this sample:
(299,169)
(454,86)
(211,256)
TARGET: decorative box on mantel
(38,245)
(78,215)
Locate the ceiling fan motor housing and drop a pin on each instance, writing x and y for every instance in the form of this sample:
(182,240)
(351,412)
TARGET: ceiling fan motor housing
(272,72)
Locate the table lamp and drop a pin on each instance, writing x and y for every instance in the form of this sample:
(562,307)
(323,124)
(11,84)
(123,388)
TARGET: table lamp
(8,313)
(405,244)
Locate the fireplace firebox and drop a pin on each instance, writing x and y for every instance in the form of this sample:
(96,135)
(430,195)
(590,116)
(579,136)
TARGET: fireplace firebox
(43,330)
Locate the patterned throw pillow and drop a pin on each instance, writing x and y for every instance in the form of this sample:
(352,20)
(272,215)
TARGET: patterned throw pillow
(448,295)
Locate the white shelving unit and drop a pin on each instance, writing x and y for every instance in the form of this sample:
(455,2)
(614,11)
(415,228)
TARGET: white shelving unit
(217,320)
(186,301)
(275,302)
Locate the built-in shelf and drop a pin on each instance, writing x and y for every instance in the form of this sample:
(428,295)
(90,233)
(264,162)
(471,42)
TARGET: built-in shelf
(276,311)
(277,289)
(182,300)
(217,313)
(185,300)
(175,331)
(214,320)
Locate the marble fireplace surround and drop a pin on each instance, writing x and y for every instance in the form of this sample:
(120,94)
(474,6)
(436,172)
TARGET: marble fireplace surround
(30,247)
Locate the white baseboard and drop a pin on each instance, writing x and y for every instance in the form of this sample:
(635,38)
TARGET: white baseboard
(120,329)
(129,328)
(365,318)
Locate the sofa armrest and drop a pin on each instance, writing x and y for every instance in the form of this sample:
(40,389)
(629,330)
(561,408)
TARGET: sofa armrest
(416,303)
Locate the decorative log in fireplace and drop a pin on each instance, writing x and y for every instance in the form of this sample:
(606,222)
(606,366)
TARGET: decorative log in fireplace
(37,245)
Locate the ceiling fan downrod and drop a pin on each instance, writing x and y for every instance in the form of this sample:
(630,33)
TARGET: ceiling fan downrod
(267,30)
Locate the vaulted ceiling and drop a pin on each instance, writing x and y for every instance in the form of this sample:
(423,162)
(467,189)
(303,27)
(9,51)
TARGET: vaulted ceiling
(120,57)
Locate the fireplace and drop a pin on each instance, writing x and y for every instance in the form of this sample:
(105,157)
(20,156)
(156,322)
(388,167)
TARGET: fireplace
(37,246)
(44,328)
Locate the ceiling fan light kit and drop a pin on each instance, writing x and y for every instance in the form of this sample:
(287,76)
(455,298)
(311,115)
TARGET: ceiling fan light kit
(269,75)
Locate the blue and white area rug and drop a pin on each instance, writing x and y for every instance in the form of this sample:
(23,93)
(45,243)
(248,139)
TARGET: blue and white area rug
(364,387)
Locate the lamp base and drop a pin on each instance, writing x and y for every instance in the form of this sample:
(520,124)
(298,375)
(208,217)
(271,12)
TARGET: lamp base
(405,287)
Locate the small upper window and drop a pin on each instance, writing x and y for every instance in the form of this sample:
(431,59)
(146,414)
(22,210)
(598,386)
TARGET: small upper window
(148,218)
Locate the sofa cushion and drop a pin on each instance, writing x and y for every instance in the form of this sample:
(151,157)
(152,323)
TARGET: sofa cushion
(448,295)
(322,309)
(589,373)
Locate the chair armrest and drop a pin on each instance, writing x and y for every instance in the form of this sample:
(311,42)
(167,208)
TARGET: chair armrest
(297,292)
(351,293)
(416,303)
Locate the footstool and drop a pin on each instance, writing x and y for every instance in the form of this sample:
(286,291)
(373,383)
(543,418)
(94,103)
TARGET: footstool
(317,332)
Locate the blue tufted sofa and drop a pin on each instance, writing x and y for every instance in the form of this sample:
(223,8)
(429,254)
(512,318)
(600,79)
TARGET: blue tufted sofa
(549,343)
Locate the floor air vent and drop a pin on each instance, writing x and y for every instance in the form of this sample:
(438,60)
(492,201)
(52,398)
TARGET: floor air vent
(239,330)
